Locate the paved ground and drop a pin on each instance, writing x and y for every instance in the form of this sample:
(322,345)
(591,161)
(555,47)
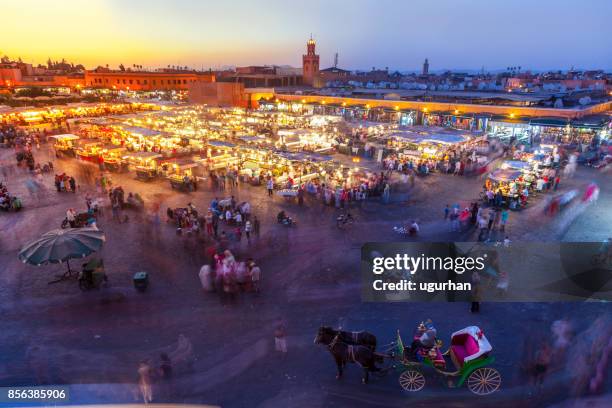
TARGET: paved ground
(55,334)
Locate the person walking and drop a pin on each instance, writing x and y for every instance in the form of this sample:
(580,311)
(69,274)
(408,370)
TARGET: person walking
(165,375)
(454,219)
(247,230)
(144,381)
(270,186)
(256,226)
(71,217)
(482,224)
(386,194)
(446,212)
(505,214)
(491,219)
(208,220)
(280,338)
(115,210)
(496,223)
(255,273)
(475,294)
(215,224)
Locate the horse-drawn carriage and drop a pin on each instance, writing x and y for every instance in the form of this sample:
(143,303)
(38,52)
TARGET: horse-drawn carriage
(467,359)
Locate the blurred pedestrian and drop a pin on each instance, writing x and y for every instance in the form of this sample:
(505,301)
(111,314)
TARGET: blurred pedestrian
(256,226)
(247,230)
(165,376)
(505,214)
(144,381)
(280,338)
(475,293)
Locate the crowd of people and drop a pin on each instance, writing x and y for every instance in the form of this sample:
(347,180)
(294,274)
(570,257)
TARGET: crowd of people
(475,216)
(229,277)
(8,202)
(65,183)
(460,161)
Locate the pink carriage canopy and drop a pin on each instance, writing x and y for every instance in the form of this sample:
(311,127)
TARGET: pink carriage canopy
(469,344)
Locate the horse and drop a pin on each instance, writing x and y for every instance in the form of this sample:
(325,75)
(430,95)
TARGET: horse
(360,338)
(350,353)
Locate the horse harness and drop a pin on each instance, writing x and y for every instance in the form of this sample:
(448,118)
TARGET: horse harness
(350,349)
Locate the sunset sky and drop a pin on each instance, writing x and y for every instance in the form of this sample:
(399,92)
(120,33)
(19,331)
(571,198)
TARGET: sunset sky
(535,34)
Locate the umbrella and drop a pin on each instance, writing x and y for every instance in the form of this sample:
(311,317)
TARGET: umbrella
(61,245)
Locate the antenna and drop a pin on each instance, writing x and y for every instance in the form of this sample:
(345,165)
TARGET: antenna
(336,60)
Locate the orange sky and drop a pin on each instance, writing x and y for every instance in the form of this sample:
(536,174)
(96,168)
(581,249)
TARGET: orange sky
(106,32)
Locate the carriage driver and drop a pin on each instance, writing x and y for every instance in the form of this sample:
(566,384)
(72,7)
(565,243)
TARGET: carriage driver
(425,338)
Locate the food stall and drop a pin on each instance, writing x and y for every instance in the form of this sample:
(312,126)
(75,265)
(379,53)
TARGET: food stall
(112,156)
(254,164)
(220,155)
(299,168)
(311,140)
(527,169)
(143,163)
(65,144)
(508,181)
(88,149)
(182,173)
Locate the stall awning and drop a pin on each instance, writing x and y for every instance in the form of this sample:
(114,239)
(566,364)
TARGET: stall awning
(505,175)
(220,143)
(507,119)
(552,122)
(144,155)
(140,130)
(66,136)
(591,122)
(247,138)
(516,165)
(445,138)
(183,163)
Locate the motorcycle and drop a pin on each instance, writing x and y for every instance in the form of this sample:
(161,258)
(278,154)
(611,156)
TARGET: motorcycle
(281,218)
(344,219)
(80,221)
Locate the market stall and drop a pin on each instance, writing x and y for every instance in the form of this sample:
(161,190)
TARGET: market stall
(143,163)
(510,184)
(65,144)
(182,173)
(220,155)
(112,157)
(88,149)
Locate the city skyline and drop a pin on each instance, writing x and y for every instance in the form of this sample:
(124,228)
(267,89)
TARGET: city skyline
(385,34)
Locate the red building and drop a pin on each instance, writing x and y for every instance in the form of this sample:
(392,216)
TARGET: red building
(145,80)
(310,64)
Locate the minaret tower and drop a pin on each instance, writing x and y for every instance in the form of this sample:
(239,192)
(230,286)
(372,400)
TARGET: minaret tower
(426,67)
(310,63)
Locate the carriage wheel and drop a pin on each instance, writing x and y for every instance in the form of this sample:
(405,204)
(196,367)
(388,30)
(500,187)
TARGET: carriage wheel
(484,381)
(412,380)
